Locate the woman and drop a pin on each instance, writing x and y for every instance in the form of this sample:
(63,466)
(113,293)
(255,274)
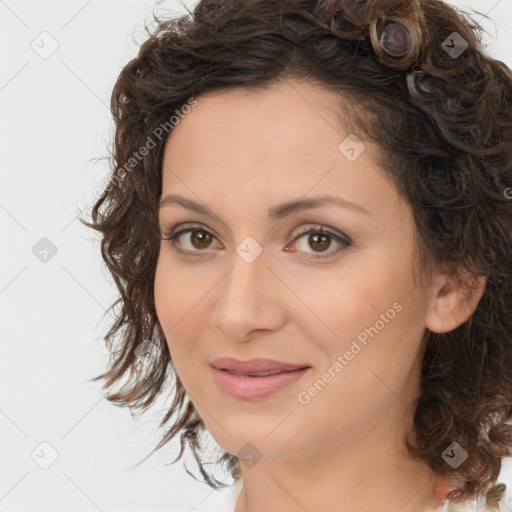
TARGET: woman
(309,226)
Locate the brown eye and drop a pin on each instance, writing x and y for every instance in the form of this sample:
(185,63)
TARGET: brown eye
(202,240)
(199,239)
(320,240)
(196,241)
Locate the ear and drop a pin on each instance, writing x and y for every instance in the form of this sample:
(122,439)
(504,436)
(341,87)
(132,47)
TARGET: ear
(454,299)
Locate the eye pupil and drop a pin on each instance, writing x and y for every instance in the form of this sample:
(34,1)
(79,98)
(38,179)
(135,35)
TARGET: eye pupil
(314,238)
(202,243)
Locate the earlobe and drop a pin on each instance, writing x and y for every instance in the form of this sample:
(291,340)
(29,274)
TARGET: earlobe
(453,300)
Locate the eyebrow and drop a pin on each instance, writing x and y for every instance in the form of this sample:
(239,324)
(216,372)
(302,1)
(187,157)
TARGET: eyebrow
(274,213)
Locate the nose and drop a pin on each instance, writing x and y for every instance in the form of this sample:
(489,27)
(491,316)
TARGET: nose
(249,299)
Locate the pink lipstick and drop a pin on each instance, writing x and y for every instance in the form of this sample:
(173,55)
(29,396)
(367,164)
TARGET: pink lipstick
(255,378)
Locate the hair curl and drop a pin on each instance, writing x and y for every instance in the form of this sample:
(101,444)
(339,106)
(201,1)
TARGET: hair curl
(443,126)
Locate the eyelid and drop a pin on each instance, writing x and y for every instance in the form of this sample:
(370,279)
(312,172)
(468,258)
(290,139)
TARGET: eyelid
(320,228)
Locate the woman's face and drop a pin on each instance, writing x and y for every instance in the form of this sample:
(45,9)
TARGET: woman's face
(246,285)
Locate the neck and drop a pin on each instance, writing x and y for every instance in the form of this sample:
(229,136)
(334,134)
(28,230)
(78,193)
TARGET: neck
(368,470)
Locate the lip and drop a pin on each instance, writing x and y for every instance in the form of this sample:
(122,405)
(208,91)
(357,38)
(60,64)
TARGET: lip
(245,387)
(254,365)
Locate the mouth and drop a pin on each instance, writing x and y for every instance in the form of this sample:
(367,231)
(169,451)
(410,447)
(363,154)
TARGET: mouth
(256,367)
(262,374)
(256,385)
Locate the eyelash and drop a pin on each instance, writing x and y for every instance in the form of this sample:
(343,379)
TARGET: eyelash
(171,237)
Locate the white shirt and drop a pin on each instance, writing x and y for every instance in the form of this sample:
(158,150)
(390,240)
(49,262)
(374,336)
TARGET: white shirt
(228,502)
(230,496)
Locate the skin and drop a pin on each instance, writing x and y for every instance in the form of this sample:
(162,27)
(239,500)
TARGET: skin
(241,152)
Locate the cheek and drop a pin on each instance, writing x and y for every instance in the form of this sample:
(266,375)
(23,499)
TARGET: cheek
(176,294)
(361,383)
(174,305)
(165,295)
(349,300)
(373,321)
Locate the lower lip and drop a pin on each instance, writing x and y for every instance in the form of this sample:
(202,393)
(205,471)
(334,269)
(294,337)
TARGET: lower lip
(248,388)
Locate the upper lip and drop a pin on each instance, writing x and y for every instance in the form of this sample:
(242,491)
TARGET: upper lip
(254,365)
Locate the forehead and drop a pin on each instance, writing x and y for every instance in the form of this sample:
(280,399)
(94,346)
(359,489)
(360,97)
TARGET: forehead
(276,143)
(282,115)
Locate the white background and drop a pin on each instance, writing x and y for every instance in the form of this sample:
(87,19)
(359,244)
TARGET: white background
(55,121)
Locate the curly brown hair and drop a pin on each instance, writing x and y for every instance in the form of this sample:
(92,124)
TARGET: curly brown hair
(441,116)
